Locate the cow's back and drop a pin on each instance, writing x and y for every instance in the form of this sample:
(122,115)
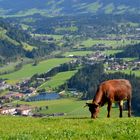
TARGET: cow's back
(117,89)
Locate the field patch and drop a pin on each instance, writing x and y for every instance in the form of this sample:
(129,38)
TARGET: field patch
(57,80)
(29,70)
(127,71)
(114,43)
(71,107)
(77,53)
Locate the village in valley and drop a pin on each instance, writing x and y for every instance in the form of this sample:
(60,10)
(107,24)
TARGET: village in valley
(75,43)
(22,91)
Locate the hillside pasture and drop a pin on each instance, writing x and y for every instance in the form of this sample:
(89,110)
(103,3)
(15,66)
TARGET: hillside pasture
(57,80)
(28,47)
(10,67)
(3,36)
(77,53)
(127,71)
(56,37)
(71,29)
(71,107)
(111,52)
(91,42)
(29,70)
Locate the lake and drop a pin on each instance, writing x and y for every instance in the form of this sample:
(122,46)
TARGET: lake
(44,96)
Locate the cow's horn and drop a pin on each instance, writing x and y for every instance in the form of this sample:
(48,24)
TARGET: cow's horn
(86,104)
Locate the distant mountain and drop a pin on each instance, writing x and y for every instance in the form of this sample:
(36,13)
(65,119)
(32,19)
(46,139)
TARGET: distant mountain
(65,7)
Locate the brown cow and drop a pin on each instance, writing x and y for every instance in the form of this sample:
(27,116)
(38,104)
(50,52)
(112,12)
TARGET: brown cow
(109,92)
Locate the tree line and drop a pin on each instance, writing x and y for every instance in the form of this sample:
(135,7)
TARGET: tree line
(130,51)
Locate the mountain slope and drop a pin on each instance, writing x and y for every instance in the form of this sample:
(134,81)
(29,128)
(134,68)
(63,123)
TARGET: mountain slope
(63,7)
(14,42)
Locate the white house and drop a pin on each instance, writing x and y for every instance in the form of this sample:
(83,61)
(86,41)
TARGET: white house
(7,110)
(25,111)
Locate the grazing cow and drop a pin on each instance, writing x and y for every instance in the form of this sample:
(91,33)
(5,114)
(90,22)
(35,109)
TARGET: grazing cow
(109,92)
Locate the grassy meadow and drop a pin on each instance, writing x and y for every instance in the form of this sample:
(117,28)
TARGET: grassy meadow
(90,42)
(29,70)
(11,66)
(56,37)
(127,71)
(111,52)
(77,53)
(76,124)
(70,106)
(71,126)
(72,29)
(57,80)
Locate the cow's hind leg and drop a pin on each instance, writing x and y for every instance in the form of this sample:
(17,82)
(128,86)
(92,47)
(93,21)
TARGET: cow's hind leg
(109,108)
(129,107)
(121,107)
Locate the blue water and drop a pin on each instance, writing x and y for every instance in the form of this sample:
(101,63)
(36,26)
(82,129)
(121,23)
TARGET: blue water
(44,96)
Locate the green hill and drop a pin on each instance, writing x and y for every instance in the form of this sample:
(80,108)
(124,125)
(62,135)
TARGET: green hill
(29,70)
(11,41)
(65,7)
(16,43)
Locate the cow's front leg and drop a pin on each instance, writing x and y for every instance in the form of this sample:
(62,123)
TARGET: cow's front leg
(109,108)
(121,107)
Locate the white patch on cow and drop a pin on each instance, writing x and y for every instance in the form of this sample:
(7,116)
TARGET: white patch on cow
(121,102)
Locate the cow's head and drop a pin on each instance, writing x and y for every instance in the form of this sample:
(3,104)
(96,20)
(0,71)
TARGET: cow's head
(94,109)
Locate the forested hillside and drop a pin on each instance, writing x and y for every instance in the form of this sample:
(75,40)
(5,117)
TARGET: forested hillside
(65,7)
(16,43)
(130,51)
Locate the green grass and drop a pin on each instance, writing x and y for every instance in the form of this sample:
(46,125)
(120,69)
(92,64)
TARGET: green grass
(72,29)
(113,43)
(24,26)
(112,52)
(94,7)
(28,47)
(3,36)
(7,68)
(130,59)
(72,107)
(76,124)
(26,128)
(28,12)
(109,8)
(11,66)
(57,37)
(57,80)
(136,72)
(77,53)
(29,70)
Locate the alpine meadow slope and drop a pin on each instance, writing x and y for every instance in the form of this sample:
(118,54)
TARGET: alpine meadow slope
(67,7)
